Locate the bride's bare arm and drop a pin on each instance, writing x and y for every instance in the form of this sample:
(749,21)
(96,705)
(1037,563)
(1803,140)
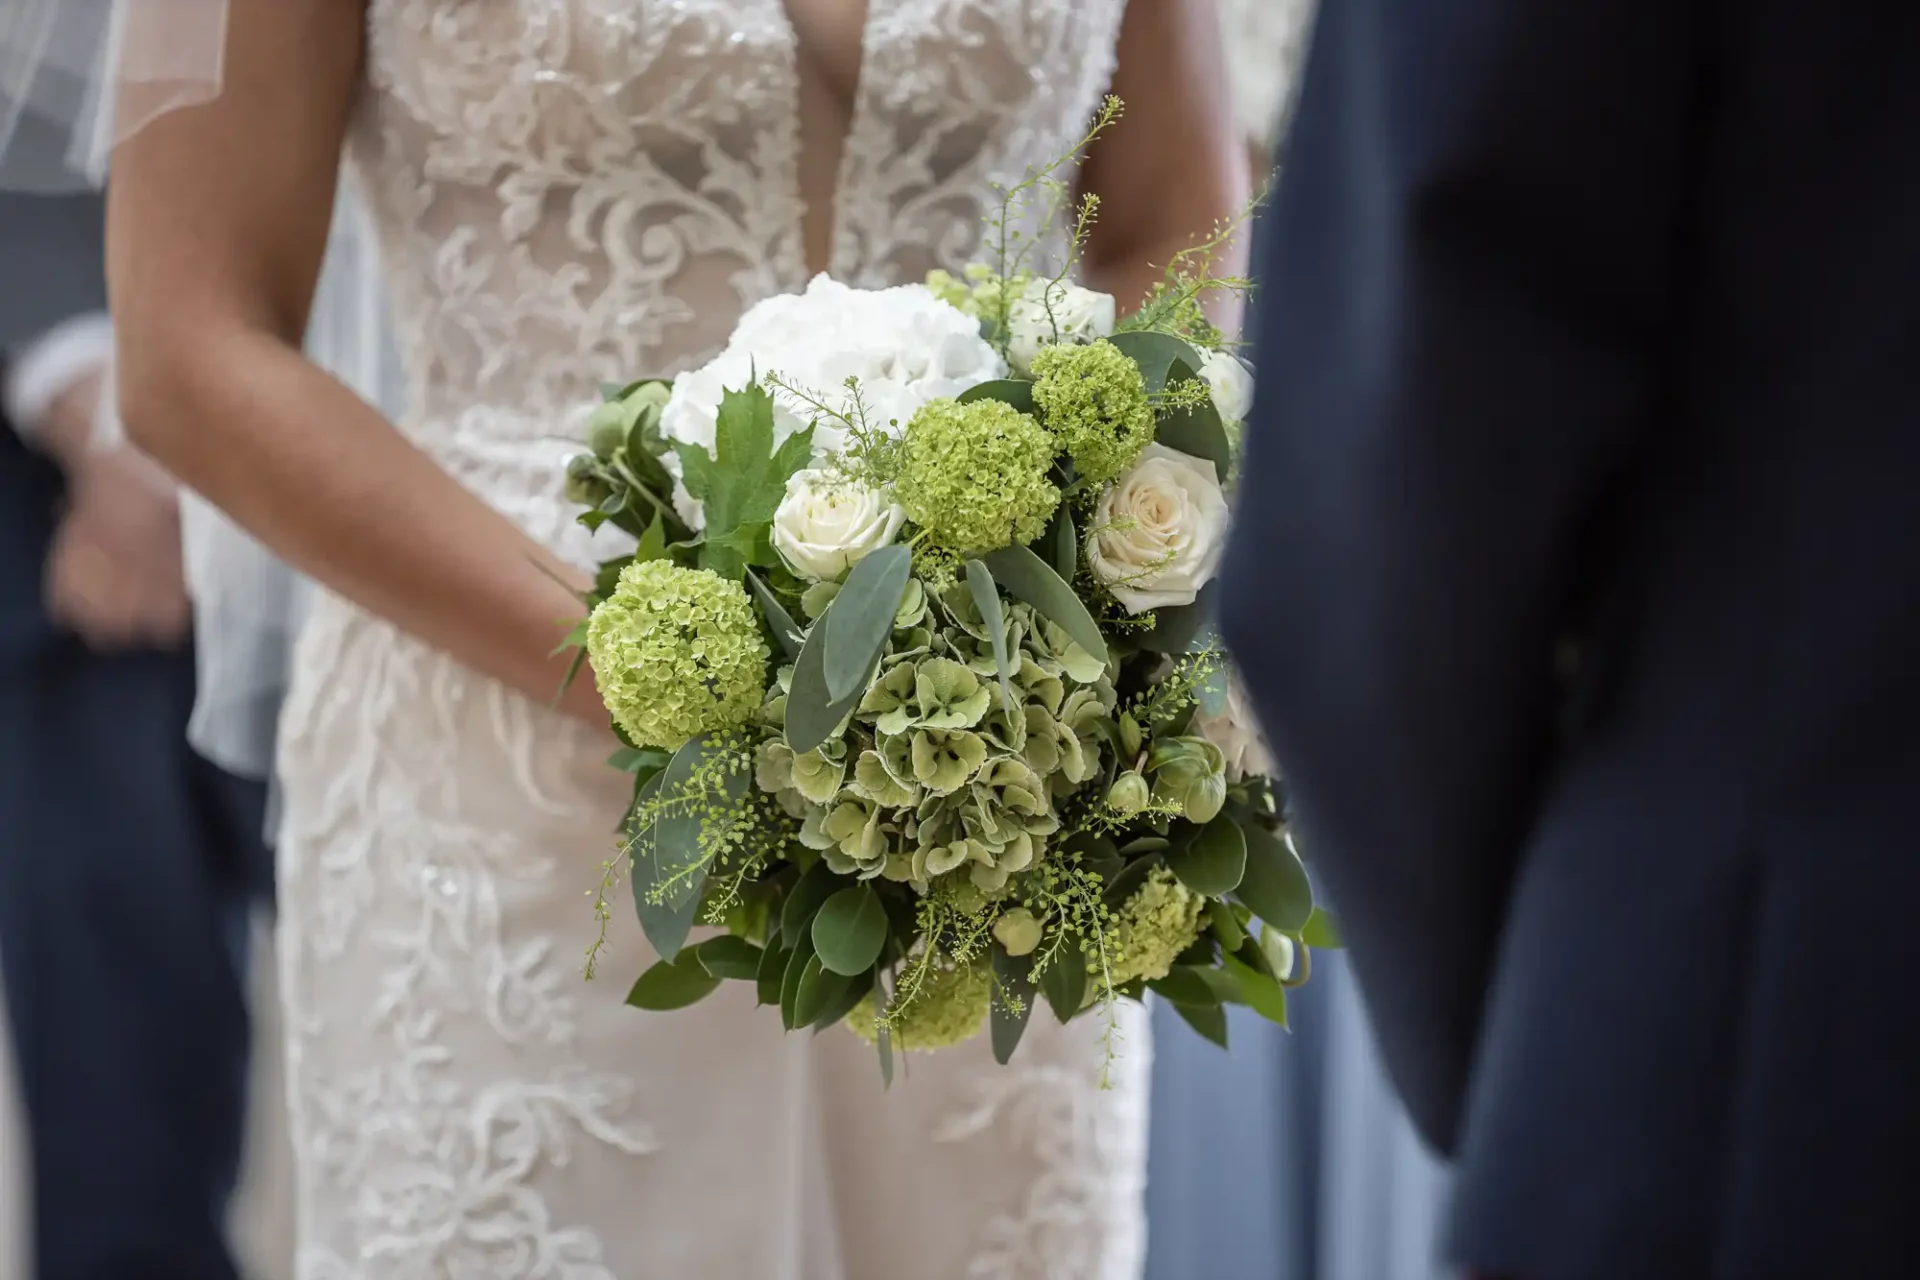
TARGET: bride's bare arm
(217,226)
(1174,165)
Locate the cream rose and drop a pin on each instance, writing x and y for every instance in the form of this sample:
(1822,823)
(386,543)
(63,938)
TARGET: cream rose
(1159,530)
(1231,384)
(827,524)
(1057,312)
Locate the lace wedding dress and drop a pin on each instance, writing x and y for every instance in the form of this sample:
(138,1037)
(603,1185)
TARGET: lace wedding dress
(569,192)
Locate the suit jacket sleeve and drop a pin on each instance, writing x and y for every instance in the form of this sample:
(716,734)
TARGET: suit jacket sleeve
(1469,284)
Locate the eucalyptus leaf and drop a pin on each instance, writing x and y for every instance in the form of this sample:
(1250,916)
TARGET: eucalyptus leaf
(797,965)
(812,714)
(1011,985)
(1156,354)
(1184,986)
(839,995)
(1321,930)
(1196,430)
(1262,994)
(680,861)
(1064,981)
(672,984)
(818,985)
(813,888)
(1033,580)
(883,1041)
(779,621)
(1226,926)
(666,924)
(1275,885)
(861,618)
(850,930)
(1013,391)
(728,956)
(1214,863)
(1209,1020)
(773,971)
(986,597)
(1122,886)
(1062,544)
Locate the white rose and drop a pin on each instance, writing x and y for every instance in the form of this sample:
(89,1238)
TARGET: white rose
(1237,733)
(827,524)
(1231,383)
(1059,312)
(1159,530)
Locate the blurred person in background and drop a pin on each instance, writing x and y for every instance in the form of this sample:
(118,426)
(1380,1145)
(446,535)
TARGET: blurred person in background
(126,861)
(1289,1157)
(1582,600)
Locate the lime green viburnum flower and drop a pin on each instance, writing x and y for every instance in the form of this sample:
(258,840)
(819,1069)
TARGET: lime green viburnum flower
(950,1007)
(975,476)
(1158,922)
(677,653)
(1094,400)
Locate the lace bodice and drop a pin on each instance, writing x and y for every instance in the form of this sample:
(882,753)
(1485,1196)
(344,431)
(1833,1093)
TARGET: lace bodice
(572,192)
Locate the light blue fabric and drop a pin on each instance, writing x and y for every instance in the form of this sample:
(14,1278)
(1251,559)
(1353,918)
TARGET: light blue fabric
(1288,1157)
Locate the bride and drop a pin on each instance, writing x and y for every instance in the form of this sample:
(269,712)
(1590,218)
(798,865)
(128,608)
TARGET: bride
(569,192)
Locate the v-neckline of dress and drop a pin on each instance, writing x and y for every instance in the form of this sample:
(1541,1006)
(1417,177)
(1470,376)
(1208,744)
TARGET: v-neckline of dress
(857,123)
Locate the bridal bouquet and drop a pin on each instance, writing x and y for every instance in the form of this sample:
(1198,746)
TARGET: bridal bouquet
(914,668)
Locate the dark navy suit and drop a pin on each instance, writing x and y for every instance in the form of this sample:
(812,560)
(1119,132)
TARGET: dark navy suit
(1578,581)
(126,864)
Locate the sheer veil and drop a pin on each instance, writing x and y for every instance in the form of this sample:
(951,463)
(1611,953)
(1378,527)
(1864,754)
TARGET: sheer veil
(77,79)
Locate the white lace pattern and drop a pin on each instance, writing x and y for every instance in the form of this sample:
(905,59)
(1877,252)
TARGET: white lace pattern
(570,192)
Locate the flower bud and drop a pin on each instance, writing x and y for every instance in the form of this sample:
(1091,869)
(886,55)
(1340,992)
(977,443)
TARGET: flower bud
(1278,949)
(1018,932)
(607,430)
(586,487)
(1204,798)
(1129,794)
(1131,736)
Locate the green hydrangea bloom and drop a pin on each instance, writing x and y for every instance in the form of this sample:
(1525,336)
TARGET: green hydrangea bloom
(677,653)
(949,1008)
(974,476)
(1094,400)
(1159,921)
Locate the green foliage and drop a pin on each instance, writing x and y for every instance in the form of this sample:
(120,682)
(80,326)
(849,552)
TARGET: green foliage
(739,485)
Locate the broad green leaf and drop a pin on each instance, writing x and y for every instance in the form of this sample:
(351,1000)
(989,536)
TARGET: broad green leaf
(680,860)
(817,987)
(640,760)
(605,579)
(653,543)
(1122,886)
(861,618)
(1156,354)
(779,621)
(1209,1020)
(1226,926)
(742,481)
(1065,981)
(1321,930)
(883,1041)
(773,972)
(666,924)
(1275,885)
(1184,986)
(1014,391)
(1177,627)
(1215,862)
(838,995)
(850,930)
(812,714)
(797,965)
(986,598)
(813,888)
(752,543)
(1011,984)
(1260,992)
(1032,579)
(1062,544)
(1197,431)
(728,956)
(672,984)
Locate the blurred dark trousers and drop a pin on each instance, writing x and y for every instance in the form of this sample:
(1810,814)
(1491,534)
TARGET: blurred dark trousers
(127,868)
